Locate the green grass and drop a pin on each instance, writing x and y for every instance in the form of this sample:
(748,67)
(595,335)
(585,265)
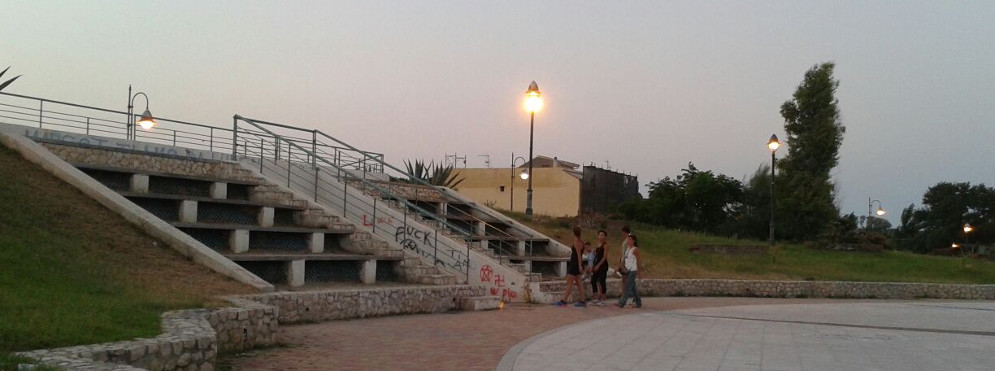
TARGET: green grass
(666,255)
(10,362)
(72,272)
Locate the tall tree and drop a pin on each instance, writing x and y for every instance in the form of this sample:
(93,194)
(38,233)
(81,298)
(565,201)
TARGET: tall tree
(805,192)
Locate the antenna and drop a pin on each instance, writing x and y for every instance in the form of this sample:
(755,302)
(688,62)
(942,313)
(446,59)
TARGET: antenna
(487,159)
(454,159)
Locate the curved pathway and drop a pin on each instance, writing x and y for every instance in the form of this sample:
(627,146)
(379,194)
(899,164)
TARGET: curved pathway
(458,341)
(897,335)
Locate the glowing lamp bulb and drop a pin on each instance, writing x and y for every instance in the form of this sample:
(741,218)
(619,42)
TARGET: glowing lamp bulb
(533,98)
(773,144)
(525,175)
(146,121)
(881,211)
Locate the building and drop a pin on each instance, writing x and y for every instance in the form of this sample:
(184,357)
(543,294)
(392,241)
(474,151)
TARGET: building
(560,188)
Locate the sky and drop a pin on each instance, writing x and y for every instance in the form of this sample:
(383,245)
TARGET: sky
(642,87)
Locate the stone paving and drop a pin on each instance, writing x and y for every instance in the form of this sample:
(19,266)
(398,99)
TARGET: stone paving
(908,335)
(457,341)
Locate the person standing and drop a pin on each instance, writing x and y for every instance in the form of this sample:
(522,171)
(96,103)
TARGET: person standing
(626,242)
(599,269)
(574,270)
(631,265)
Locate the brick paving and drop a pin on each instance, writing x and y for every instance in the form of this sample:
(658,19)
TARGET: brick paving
(451,341)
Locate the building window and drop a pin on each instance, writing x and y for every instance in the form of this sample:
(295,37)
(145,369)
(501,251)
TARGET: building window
(502,188)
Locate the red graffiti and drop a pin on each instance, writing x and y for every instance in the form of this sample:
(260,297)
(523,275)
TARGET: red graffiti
(368,222)
(507,295)
(494,290)
(498,280)
(485,273)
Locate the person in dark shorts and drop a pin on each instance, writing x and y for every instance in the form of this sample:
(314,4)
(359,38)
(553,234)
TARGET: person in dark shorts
(574,271)
(599,270)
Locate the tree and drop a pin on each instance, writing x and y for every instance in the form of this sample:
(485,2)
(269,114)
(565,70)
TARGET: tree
(946,207)
(8,82)
(695,200)
(805,192)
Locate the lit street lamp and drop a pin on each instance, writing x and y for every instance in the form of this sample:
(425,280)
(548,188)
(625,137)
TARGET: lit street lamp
(524,175)
(533,103)
(880,211)
(772,145)
(967,229)
(145,121)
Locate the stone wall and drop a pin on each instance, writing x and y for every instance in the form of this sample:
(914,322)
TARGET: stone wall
(550,292)
(316,306)
(158,163)
(191,340)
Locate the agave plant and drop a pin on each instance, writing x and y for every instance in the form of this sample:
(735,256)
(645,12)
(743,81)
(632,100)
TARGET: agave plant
(432,173)
(8,82)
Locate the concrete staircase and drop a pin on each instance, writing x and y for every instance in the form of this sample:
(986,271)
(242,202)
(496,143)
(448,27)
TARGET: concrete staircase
(262,226)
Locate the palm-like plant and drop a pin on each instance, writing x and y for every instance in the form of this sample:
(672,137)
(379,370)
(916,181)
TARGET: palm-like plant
(8,82)
(432,173)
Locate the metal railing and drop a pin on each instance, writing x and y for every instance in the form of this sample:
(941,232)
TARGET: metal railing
(328,182)
(41,113)
(497,239)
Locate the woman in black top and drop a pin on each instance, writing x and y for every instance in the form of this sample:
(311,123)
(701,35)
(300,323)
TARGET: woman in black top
(573,271)
(599,271)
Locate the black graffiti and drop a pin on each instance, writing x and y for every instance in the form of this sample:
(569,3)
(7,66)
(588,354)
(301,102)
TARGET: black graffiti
(423,243)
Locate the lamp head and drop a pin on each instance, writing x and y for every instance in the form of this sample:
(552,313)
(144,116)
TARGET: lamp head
(954,246)
(146,121)
(533,98)
(968,228)
(525,175)
(773,143)
(881,211)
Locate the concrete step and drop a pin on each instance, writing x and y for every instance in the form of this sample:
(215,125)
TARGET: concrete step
(314,217)
(438,279)
(478,303)
(411,262)
(521,268)
(419,271)
(390,253)
(533,277)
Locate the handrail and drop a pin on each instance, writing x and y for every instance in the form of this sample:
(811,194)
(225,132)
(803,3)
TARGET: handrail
(379,160)
(88,120)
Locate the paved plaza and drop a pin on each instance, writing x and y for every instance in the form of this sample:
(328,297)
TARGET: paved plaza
(666,334)
(833,336)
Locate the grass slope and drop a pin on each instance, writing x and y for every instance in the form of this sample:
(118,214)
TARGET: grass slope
(72,272)
(666,253)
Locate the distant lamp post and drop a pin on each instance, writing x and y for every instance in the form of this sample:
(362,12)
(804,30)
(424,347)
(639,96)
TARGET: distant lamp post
(773,144)
(870,205)
(967,229)
(145,121)
(524,175)
(533,103)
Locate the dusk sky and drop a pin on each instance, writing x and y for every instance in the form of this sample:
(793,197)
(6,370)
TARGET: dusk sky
(647,86)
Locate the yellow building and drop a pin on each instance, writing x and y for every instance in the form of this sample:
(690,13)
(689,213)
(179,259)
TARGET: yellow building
(556,187)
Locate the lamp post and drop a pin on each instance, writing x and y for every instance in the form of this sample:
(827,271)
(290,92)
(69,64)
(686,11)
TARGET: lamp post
(880,211)
(524,175)
(967,229)
(772,145)
(533,103)
(146,121)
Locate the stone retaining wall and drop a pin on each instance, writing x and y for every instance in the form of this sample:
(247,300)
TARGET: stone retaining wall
(316,306)
(191,340)
(551,292)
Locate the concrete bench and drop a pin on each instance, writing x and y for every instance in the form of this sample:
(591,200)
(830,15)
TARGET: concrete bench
(295,264)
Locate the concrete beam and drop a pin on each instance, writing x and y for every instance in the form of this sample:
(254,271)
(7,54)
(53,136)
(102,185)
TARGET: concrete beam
(265,216)
(219,190)
(139,183)
(316,242)
(188,211)
(561,269)
(368,272)
(238,241)
(520,247)
(295,273)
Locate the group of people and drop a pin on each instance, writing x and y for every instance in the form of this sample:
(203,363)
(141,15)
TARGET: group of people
(596,267)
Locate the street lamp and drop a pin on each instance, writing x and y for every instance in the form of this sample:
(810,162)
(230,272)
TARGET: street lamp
(145,121)
(524,175)
(533,103)
(967,229)
(880,211)
(772,145)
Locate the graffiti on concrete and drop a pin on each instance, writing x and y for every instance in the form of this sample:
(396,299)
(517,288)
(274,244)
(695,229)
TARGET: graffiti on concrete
(368,221)
(497,284)
(426,244)
(93,141)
